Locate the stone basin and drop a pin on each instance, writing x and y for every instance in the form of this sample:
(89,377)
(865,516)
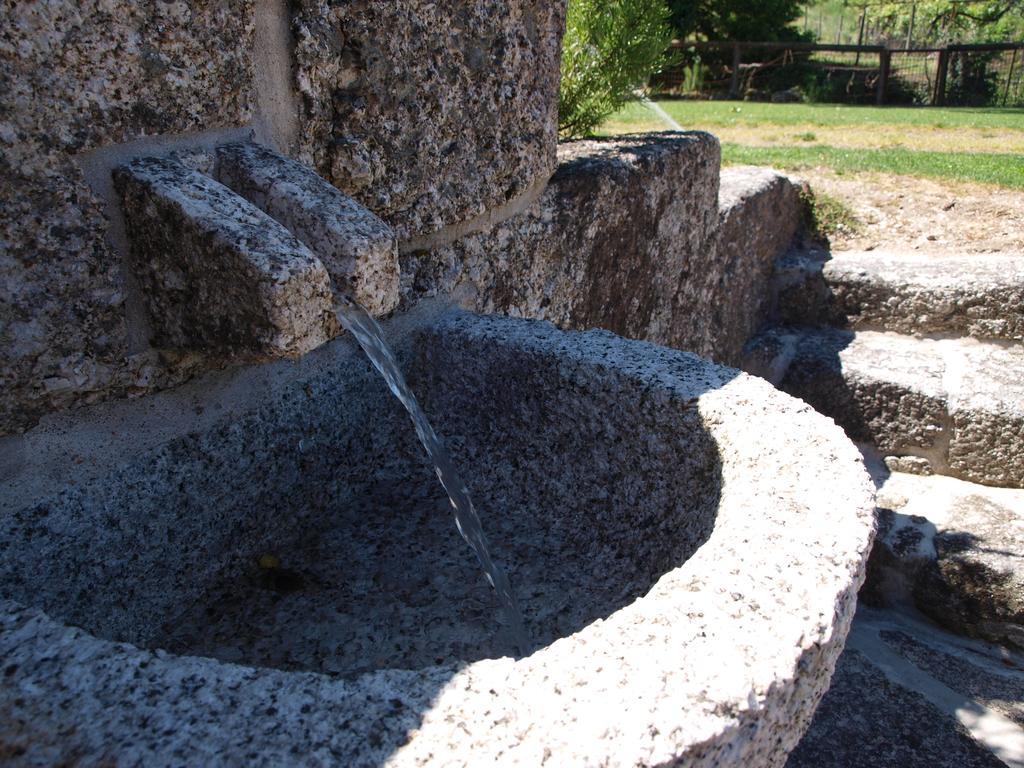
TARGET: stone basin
(261,568)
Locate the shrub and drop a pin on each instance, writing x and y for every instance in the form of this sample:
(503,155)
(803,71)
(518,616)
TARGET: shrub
(610,49)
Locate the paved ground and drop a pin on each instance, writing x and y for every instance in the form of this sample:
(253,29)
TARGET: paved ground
(908,695)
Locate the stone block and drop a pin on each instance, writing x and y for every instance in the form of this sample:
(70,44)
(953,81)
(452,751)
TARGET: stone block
(217,273)
(978,295)
(951,406)
(976,582)
(799,291)
(429,113)
(620,239)
(987,412)
(952,550)
(76,76)
(760,213)
(357,248)
(883,388)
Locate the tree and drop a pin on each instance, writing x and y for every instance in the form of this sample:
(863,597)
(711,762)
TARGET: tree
(610,49)
(744,20)
(941,21)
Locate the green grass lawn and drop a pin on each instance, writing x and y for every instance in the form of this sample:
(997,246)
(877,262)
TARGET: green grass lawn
(1003,170)
(979,145)
(727,113)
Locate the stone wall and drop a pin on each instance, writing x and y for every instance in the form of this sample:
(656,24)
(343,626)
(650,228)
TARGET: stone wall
(429,113)
(633,235)
(452,106)
(75,77)
(620,239)
(760,213)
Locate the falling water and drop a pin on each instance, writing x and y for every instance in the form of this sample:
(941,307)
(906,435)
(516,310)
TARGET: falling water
(664,116)
(368,333)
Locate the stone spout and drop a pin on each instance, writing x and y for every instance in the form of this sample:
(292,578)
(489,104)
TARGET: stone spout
(358,249)
(217,273)
(248,263)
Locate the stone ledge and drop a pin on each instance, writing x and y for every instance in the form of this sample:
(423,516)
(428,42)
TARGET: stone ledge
(217,273)
(621,239)
(951,549)
(981,295)
(956,403)
(978,295)
(761,212)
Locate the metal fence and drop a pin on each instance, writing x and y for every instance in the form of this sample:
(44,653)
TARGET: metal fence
(956,75)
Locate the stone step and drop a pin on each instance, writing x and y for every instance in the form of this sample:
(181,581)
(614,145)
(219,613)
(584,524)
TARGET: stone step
(978,295)
(948,406)
(952,550)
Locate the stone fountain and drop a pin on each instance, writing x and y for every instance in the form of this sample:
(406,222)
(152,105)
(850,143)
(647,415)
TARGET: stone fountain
(220,541)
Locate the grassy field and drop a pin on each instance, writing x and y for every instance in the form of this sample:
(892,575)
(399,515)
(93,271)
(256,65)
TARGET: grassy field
(731,113)
(981,145)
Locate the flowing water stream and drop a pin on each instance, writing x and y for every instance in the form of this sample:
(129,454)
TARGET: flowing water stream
(361,324)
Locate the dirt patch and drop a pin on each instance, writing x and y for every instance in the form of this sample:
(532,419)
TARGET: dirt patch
(918,139)
(932,215)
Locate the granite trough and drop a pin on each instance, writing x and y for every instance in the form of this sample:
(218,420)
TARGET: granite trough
(260,568)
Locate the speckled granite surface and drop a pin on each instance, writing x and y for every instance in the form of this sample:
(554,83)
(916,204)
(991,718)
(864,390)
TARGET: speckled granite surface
(449,114)
(721,660)
(760,214)
(954,404)
(359,250)
(622,239)
(216,272)
(76,76)
(429,113)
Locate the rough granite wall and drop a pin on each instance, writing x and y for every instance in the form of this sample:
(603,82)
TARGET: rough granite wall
(75,76)
(622,239)
(760,213)
(429,112)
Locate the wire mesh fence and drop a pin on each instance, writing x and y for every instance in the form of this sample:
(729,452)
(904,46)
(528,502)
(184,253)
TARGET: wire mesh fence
(912,76)
(979,76)
(970,75)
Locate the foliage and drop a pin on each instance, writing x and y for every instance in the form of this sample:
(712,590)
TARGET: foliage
(971,80)
(828,216)
(610,49)
(941,21)
(743,20)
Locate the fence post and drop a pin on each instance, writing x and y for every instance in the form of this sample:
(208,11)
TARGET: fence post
(734,81)
(939,97)
(1009,77)
(884,65)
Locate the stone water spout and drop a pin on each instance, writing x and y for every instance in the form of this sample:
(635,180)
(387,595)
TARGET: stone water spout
(236,231)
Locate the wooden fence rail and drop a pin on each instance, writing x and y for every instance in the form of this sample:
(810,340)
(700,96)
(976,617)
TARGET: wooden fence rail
(742,54)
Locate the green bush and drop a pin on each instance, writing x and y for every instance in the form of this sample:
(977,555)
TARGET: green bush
(610,49)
